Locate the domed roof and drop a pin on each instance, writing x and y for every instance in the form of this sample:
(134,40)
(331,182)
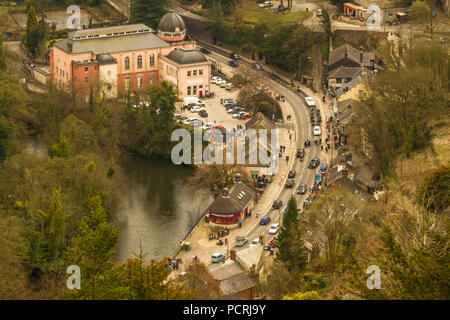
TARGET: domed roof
(104,58)
(183,56)
(171,22)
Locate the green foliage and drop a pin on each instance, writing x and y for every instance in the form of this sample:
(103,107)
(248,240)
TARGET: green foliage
(434,194)
(309,295)
(2,54)
(148,12)
(61,148)
(291,250)
(313,282)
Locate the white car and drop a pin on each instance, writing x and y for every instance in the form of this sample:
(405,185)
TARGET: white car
(230,110)
(223,84)
(218,80)
(316,131)
(196,109)
(187,122)
(224,100)
(266,4)
(310,102)
(229,86)
(236,115)
(254,242)
(274,228)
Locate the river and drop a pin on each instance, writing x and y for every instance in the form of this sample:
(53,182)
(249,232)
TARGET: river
(157,207)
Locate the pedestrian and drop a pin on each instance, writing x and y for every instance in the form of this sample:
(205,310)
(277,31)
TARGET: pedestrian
(290,137)
(226,241)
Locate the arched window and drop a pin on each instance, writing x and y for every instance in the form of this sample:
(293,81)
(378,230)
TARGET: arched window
(139,62)
(127,63)
(152,59)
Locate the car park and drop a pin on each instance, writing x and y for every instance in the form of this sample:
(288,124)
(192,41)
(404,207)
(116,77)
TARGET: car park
(277,204)
(217,257)
(310,102)
(264,220)
(274,228)
(241,241)
(313,163)
(301,188)
(290,183)
(316,131)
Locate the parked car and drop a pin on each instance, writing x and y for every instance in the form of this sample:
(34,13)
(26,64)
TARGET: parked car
(277,204)
(316,131)
(266,4)
(203,113)
(290,183)
(254,242)
(205,50)
(257,66)
(236,115)
(264,220)
(301,188)
(310,102)
(313,163)
(223,84)
(196,109)
(226,100)
(319,12)
(301,153)
(234,56)
(231,110)
(229,86)
(217,257)
(233,63)
(274,228)
(318,178)
(241,241)
(292,173)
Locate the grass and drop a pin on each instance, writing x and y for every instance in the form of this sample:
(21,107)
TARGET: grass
(290,17)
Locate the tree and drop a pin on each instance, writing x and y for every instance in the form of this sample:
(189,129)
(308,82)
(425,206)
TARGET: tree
(291,250)
(92,251)
(325,21)
(420,12)
(57,226)
(2,54)
(148,12)
(435,190)
(32,32)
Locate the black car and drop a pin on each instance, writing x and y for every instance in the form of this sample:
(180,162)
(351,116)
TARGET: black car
(292,173)
(300,153)
(301,188)
(313,163)
(205,50)
(290,183)
(234,63)
(234,56)
(277,204)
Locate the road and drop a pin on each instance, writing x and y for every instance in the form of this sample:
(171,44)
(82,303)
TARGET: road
(304,130)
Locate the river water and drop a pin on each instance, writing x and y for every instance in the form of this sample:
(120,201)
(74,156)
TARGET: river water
(156,208)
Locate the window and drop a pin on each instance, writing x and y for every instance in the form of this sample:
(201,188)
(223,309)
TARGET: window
(152,78)
(127,63)
(200,72)
(194,91)
(86,69)
(194,73)
(56,69)
(152,59)
(139,62)
(188,91)
(140,81)
(390,14)
(63,73)
(188,73)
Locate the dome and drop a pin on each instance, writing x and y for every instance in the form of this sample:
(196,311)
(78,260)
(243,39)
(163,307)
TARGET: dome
(183,56)
(171,22)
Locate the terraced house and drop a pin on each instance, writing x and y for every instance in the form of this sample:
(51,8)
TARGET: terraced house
(128,58)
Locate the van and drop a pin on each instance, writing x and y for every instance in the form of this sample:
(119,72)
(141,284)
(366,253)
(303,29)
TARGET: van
(192,100)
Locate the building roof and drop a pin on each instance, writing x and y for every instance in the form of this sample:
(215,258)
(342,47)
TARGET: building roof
(128,29)
(105,59)
(250,256)
(345,72)
(352,53)
(238,284)
(365,174)
(171,22)
(259,121)
(238,198)
(110,45)
(186,56)
(347,184)
(226,270)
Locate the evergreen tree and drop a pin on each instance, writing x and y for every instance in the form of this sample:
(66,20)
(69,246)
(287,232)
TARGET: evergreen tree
(2,54)
(148,12)
(57,227)
(92,251)
(32,31)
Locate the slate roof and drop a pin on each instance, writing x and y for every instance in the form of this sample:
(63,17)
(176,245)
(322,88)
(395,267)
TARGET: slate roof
(345,73)
(365,174)
(347,184)
(259,121)
(352,53)
(108,45)
(237,284)
(226,270)
(239,197)
(113,31)
(249,256)
(184,56)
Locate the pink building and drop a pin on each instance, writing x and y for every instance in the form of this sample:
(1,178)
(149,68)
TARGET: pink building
(116,60)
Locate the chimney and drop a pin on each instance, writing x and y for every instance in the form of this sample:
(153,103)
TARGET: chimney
(233,254)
